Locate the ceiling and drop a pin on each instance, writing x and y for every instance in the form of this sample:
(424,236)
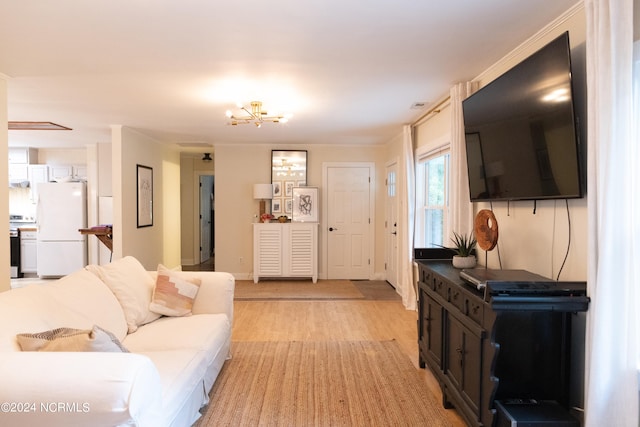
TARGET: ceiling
(348,71)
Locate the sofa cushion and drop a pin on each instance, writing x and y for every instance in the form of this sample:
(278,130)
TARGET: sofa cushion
(202,332)
(172,295)
(70,339)
(181,371)
(79,300)
(132,286)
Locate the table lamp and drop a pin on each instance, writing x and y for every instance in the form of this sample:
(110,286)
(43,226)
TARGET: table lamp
(262,192)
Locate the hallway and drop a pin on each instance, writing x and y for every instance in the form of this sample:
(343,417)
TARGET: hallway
(208,265)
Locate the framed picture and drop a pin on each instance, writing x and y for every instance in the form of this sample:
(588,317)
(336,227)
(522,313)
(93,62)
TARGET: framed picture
(276,206)
(144,195)
(305,204)
(277,188)
(288,206)
(288,187)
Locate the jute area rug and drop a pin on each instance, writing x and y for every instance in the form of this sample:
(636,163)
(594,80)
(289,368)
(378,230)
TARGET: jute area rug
(335,383)
(247,290)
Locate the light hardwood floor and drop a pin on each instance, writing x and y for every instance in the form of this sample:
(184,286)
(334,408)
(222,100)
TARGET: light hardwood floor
(334,320)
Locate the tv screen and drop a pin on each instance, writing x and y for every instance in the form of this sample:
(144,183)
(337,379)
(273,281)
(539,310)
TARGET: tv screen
(520,131)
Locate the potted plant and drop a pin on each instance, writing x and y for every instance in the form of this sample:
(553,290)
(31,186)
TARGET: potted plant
(464,247)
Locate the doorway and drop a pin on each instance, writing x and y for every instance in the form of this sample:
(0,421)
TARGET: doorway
(348,209)
(204,221)
(207,229)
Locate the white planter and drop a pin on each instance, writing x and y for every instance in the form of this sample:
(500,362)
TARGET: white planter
(464,261)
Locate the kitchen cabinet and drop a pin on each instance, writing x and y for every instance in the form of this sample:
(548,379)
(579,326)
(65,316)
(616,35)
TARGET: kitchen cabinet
(58,172)
(61,172)
(28,251)
(285,250)
(22,155)
(37,174)
(19,160)
(18,173)
(79,172)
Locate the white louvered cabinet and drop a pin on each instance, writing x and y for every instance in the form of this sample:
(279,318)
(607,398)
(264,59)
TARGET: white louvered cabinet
(285,250)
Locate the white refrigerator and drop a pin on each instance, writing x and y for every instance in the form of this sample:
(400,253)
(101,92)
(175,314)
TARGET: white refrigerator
(61,213)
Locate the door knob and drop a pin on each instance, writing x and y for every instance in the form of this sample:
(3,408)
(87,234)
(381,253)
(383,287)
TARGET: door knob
(394,233)
(332,229)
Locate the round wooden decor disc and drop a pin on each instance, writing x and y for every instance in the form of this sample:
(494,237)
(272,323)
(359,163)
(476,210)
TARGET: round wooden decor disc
(485,228)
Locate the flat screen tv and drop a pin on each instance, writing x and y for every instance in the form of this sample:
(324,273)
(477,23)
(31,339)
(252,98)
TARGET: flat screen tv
(521,134)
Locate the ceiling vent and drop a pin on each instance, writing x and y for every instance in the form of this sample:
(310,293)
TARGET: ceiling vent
(419,105)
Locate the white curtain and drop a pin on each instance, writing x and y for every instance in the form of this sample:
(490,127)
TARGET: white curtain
(407,212)
(462,209)
(614,218)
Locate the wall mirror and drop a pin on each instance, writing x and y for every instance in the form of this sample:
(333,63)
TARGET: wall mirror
(288,170)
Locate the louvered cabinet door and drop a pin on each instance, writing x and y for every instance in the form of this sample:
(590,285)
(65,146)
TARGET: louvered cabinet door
(301,250)
(267,251)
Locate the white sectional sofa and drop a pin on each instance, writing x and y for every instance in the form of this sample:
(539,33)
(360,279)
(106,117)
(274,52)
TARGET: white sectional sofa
(164,378)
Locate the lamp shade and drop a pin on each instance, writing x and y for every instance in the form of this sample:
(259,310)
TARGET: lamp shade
(262,191)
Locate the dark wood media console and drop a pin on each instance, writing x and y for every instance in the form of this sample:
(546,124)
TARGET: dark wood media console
(507,341)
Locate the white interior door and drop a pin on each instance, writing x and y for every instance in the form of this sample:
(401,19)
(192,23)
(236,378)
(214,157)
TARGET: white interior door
(348,222)
(391,225)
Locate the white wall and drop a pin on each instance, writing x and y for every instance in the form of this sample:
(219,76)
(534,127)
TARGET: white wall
(238,167)
(535,242)
(159,243)
(62,156)
(5,254)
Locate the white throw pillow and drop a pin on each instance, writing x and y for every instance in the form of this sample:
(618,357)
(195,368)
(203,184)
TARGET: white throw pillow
(172,295)
(133,287)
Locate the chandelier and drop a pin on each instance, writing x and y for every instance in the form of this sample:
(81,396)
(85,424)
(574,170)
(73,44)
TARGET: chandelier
(256,116)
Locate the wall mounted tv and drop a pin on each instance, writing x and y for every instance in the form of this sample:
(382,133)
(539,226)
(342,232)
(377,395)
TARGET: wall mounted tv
(521,134)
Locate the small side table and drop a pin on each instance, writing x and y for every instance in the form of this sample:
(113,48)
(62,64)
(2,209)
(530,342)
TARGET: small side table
(104,233)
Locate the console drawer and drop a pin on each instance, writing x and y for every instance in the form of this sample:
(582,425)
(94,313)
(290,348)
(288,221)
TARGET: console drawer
(441,287)
(475,310)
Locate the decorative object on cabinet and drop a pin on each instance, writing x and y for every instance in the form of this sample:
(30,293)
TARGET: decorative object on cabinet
(464,246)
(305,204)
(263,192)
(265,217)
(485,229)
(285,250)
(511,340)
(288,170)
(144,195)
(464,261)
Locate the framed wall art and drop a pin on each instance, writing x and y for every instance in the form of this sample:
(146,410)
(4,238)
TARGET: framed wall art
(305,204)
(288,188)
(144,192)
(276,206)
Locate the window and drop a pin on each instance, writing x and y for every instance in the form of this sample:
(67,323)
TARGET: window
(432,198)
